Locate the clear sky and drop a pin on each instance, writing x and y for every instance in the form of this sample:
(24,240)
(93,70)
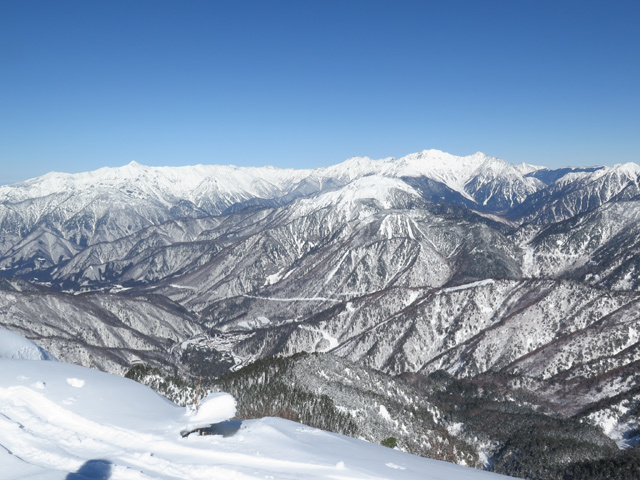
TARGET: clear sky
(86,84)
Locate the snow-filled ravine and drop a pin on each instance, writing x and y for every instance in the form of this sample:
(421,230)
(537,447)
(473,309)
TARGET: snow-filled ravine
(62,421)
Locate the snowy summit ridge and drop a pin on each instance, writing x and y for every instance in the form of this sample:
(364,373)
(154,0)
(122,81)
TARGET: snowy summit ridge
(162,193)
(178,181)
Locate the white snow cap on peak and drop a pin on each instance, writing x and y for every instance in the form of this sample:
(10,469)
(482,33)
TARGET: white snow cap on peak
(630,168)
(14,346)
(371,187)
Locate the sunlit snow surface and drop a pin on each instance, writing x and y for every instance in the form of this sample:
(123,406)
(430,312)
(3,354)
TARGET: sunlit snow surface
(16,346)
(62,421)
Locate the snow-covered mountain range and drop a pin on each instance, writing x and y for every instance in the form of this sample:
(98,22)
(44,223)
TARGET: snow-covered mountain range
(516,275)
(48,220)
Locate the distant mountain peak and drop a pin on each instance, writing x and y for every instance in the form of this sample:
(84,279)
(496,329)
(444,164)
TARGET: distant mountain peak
(629,169)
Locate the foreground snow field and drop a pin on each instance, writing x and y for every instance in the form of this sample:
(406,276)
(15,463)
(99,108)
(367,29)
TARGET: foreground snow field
(62,421)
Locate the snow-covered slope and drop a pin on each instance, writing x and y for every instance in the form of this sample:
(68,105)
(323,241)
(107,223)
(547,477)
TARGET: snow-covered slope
(108,332)
(110,203)
(196,183)
(61,421)
(14,346)
(542,330)
(578,192)
(371,234)
(601,247)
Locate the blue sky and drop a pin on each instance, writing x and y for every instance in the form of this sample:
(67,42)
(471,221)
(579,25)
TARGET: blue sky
(87,84)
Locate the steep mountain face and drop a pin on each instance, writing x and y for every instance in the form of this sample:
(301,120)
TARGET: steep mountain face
(111,203)
(577,192)
(324,257)
(102,331)
(578,341)
(364,403)
(372,234)
(497,186)
(599,247)
(461,421)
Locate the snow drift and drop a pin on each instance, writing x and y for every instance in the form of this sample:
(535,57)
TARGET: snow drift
(16,346)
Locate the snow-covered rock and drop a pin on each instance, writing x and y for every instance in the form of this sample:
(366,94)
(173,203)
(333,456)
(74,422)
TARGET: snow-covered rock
(214,408)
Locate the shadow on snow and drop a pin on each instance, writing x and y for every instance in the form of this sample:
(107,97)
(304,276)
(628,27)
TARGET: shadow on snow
(92,470)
